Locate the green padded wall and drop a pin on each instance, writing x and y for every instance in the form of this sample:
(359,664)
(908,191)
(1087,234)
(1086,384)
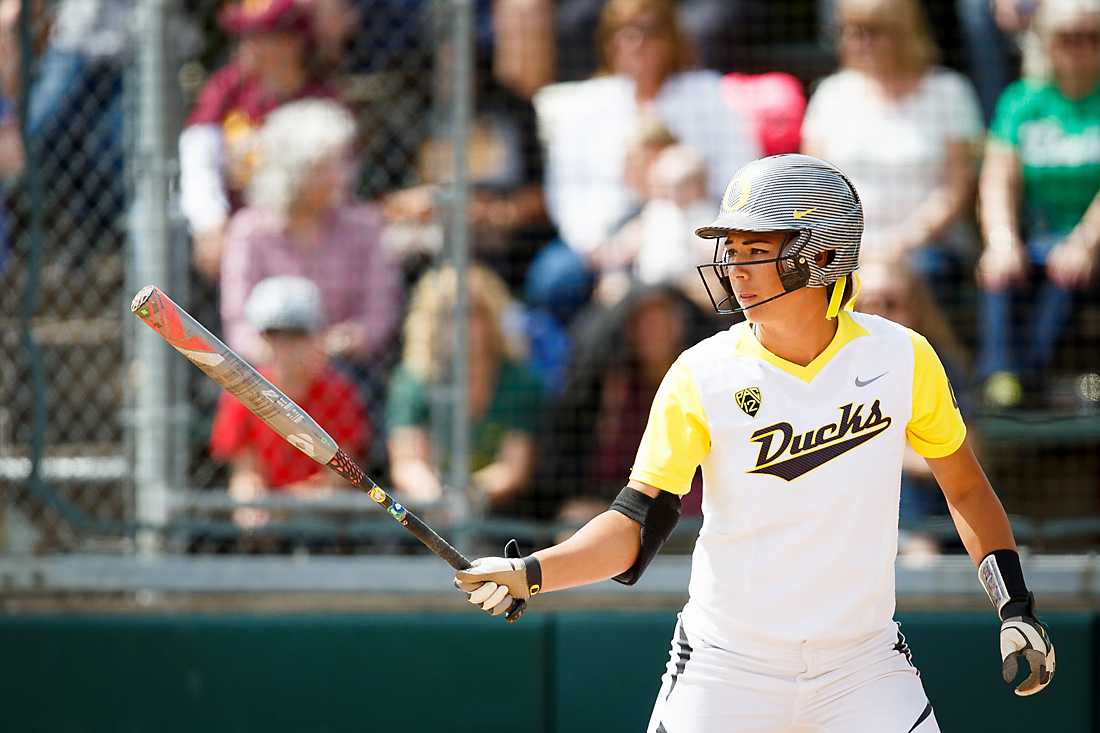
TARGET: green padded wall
(576,672)
(265,674)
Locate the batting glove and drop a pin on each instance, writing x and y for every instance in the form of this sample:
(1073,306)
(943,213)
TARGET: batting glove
(1024,635)
(501,585)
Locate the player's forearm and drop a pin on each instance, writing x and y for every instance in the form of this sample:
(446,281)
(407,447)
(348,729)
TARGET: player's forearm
(982,523)
(981,520)
(601,549)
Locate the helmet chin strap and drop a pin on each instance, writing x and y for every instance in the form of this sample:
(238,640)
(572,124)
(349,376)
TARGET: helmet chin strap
(835,301)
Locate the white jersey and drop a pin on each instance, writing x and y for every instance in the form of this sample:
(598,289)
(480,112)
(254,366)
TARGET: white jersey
(801,475)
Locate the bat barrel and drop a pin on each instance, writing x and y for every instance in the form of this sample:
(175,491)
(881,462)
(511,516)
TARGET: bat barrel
(203,349)
(189,337)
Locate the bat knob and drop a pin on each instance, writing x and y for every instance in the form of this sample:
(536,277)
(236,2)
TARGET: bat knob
(515,612)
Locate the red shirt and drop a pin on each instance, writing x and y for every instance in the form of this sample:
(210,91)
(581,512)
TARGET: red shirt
(333,401)
(228,92)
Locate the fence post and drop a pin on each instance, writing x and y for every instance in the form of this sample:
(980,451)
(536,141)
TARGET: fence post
(458,231)
(156,470)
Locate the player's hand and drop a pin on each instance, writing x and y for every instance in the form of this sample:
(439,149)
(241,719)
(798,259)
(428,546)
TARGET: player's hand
(500,585)
(1025,636)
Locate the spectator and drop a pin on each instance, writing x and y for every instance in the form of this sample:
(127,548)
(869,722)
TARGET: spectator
(659,245)
(333,25)
(524,55)
(301,221)
(895,292)
(1039,200)
(620,356)
(910,149)
(287,311)
(644,72)
(670,250)
(504,396)
(506,211)
(989,33)
(74,116)
(726,33)
(272,66)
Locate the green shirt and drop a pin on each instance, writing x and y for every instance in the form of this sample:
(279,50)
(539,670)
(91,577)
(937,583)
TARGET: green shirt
(514,407)
(1058,143)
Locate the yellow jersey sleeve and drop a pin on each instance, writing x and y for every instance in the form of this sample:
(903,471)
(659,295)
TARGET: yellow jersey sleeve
(676,438)
(936,427)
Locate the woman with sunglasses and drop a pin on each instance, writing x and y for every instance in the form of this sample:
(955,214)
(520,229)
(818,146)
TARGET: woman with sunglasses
(908,132)
(646,73)
(798,417)
(1040,201)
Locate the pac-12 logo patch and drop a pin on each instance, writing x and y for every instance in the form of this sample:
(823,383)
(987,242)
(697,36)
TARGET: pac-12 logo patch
(748,400)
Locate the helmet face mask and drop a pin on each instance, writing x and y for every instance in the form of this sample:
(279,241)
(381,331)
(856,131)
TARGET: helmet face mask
(807,198)
(792,268)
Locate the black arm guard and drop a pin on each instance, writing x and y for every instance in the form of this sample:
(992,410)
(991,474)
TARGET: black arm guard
(1003,579)
(657,518)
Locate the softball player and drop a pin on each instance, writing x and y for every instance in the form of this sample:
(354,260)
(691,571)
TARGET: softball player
(798,417)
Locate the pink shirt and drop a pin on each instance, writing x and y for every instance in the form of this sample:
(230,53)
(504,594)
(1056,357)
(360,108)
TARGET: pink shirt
(358,282)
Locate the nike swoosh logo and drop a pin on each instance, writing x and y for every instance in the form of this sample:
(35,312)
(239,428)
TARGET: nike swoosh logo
(861,383)
(799,213)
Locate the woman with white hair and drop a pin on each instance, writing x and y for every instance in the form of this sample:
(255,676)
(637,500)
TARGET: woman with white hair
(1039,199)
(301,220)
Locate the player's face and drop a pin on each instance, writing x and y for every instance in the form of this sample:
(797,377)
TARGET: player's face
(755,283)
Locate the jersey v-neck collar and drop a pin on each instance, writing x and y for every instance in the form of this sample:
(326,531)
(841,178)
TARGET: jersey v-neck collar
(847,331)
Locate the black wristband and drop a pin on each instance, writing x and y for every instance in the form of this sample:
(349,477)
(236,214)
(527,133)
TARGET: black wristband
(534,574)
(1008,561)
(1020,601)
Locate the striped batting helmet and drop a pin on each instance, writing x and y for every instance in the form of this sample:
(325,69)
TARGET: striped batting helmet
(802,195)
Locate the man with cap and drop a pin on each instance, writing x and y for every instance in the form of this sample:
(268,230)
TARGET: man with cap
(287,312)
(273,65)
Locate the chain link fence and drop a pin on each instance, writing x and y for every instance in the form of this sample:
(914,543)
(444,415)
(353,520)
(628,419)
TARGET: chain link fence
(209,147)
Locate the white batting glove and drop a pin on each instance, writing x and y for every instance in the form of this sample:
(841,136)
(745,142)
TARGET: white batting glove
(491,596)
(1025,636)
(1022,633)
(501,585)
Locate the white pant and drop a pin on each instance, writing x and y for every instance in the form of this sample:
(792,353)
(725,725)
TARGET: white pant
(866,686)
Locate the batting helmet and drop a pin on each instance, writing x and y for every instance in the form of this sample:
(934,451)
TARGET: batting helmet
(804,196)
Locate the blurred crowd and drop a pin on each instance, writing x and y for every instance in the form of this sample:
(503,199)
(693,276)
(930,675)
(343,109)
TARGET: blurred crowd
(602,134)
